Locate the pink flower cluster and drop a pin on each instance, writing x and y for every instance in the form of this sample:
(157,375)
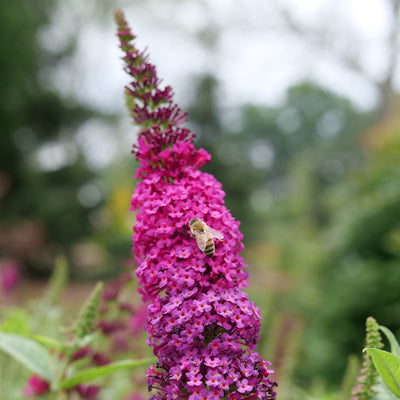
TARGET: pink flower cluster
(202,326)
(10,275)
(36,386)
(120,321)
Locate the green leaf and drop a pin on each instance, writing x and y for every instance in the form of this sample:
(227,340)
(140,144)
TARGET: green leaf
(394,344)
(383,392)
(16,321)
(49,342)
(97,372)
(28,352)
(388,366)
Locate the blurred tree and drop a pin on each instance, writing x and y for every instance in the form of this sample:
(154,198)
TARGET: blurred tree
(41,167)
(360,271)
(283,170)
(255,153)
(338,38)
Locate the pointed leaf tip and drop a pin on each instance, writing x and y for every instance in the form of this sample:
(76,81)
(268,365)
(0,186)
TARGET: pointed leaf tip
(394,344)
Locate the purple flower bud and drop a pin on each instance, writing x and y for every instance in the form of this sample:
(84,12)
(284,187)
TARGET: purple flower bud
(36,386)
(9,275)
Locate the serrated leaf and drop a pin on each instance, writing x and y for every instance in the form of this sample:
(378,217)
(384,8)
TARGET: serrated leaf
(388,366)
(29,353)
(394,344)
(97,372)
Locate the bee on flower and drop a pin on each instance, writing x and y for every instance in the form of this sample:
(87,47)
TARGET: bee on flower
(205,236)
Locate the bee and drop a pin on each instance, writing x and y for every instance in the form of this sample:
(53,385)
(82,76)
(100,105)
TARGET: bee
(204,236)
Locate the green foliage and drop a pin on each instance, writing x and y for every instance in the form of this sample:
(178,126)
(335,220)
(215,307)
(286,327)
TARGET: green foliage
(384,393)
(17,321)
(89,374)
(255,155)
(388,366)
(349,377)
(394,344)
(87,316)
(365,388)
(41,210)
(299,177)
(52,358)
(37,359)
(360,270)
(50,343)
(31,354)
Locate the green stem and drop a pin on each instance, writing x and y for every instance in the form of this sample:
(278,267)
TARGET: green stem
(56,391)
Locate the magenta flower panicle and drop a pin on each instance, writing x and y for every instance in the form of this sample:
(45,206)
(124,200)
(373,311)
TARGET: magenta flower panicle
(201,324)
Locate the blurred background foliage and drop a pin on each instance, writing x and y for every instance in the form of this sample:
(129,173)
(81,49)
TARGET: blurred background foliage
(54,198)
(314,180)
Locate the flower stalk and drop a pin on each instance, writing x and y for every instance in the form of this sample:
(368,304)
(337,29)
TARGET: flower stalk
(201,324)
(368,377)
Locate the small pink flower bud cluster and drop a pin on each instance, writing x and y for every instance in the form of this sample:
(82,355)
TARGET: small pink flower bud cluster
(36,386)
(121,320)
(10,275)
(202,326)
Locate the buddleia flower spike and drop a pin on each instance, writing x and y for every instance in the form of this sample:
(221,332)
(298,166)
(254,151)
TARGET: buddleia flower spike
(201,324)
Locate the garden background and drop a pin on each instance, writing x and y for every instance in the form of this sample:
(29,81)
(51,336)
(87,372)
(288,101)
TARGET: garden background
(296,102)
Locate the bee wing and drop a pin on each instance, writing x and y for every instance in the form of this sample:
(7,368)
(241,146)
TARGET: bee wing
(215,234)
(201,240)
